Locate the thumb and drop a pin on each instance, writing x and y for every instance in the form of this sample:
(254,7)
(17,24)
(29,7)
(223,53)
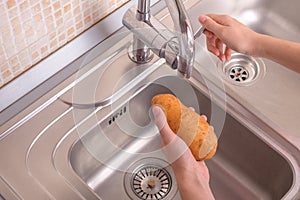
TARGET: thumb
(173,146)
(166,133)
(209,23)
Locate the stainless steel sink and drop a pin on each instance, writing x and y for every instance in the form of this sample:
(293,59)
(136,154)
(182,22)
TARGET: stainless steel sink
(65,148)
(253,161)
(245,166)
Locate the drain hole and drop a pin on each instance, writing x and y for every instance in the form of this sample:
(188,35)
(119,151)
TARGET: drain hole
(150,178)
(151,182)
(239,73)
(241,69)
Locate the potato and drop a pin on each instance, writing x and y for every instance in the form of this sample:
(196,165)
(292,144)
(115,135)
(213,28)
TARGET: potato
(189,126)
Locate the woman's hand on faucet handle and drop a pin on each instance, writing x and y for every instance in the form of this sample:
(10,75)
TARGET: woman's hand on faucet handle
(223,30)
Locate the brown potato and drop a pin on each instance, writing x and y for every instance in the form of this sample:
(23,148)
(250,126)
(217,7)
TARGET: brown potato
(189,126)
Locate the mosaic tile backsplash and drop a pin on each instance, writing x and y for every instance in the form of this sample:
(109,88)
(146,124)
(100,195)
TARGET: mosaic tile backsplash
(30,30)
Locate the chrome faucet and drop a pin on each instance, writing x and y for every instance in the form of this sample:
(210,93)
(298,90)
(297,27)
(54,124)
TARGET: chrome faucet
(150,35)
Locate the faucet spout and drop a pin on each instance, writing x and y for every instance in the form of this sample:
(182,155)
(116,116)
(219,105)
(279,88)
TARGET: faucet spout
(185,36)
(151,33)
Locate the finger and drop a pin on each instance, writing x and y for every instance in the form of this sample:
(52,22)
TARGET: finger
(211,45)
(222,57)
(204,117)
(219,45)
(173,146)
(177,151)
(220,19)
(228,53)
(193,109)
(208,33)
(209,23)
(159,117)
(166,133)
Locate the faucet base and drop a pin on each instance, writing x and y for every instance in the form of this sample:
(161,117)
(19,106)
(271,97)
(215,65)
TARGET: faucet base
(140,56)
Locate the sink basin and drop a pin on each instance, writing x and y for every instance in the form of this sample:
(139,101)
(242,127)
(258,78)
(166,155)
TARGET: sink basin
(114,152)
(252,161)
(272,17)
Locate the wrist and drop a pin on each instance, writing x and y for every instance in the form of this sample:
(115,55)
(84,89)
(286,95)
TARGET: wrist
(259,45)
(194,186)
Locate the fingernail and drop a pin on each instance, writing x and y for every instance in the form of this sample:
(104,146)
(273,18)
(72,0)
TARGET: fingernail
(159,117)
(223,58)
(156,111)
(202,19)
(204,117)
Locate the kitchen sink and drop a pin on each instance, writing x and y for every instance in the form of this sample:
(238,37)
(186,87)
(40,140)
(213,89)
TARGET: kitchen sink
(121,157)
(111,155)
(93,137)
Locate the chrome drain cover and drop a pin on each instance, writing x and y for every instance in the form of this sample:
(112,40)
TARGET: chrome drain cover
(238,73)
(150,181)
(241,69)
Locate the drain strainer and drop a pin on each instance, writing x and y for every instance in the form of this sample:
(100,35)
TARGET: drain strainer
(239,73)
(150,178)
(151,182)
(242,70)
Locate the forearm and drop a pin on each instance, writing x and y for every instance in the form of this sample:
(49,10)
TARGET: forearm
(191,188)
(192,181)
(281,51)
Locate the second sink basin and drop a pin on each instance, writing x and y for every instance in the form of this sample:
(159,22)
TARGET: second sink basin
(112,154)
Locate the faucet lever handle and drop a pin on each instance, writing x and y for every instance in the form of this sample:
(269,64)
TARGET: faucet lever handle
(199,32)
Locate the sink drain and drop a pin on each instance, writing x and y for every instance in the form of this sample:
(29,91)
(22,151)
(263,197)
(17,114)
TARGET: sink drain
(151,182)
(239,73)
(150,178)
(242,70)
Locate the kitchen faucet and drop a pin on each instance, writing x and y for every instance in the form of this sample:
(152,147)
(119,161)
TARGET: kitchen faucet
(150,35)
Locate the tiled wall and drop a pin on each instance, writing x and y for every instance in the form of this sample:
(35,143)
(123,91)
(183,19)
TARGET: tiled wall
(30,30)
